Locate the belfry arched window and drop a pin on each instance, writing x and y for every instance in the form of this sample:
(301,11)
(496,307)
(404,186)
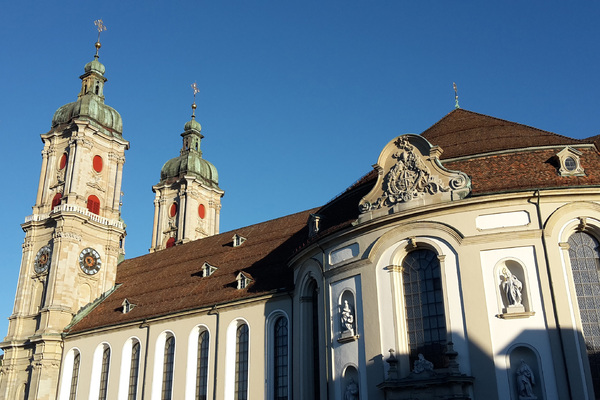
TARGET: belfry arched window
(584,253)
(425,314)
(93,204)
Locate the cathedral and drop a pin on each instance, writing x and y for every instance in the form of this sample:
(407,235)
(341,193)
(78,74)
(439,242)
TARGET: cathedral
(465,265)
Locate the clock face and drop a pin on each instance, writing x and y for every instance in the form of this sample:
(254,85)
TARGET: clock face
(42,259)
(89,261)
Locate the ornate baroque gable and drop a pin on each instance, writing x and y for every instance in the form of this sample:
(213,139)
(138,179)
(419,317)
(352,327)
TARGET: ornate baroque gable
(411,175)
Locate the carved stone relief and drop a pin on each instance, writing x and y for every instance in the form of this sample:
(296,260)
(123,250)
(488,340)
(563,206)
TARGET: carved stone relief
(410,174)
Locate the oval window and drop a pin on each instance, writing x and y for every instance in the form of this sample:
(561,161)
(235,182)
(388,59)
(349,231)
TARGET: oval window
(56,199)
(97,163)
(170,242)
(201,211)
(570,164)
(173,210)
(63,161)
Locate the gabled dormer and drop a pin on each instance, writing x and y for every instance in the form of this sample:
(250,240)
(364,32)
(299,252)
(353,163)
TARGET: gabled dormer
(569,162)
(207,269)
(238,240)
(243,280)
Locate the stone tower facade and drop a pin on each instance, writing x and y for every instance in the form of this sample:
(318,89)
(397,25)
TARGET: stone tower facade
(188,198)
(73,239)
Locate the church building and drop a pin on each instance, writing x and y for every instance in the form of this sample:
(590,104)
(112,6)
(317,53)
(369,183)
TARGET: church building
(465,265)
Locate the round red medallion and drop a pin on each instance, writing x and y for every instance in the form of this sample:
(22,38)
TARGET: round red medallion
(97,163)
(201,211)
(173,210)
(63,161)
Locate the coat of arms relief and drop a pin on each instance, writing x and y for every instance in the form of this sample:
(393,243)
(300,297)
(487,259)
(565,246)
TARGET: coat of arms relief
(410,175)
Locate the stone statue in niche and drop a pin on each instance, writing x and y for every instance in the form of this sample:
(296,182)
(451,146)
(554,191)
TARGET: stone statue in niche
(525,382)
(512,288)
(347,319)
(351,391)
(422,365)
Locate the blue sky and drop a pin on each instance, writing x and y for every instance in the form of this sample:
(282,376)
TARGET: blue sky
(297,98)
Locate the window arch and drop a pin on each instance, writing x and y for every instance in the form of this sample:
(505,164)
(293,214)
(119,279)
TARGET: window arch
(241,362)
(309,354)
(164,362)
(424,302)
(584,254)
(93,204)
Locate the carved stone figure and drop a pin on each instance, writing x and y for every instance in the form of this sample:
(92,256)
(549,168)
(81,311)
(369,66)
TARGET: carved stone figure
(351,391)
(422,365)
(347,319)
(525,382)
(512,287)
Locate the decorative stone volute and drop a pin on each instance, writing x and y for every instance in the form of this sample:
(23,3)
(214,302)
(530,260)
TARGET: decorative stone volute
(411,175)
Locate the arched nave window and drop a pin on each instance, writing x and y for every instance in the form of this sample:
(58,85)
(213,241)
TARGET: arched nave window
(168,362)
(104,373)
(202,366)
(70,375)
(134,371)
(75,375)
(241,363)
(424,300)
(584,253)
(277,356)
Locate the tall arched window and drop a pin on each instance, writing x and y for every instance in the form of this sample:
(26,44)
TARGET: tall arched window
(280,359)
(584,254)
(241,363)
(93,204)
(425,315)
(104,373)
(202,366)
(134,371)
(75,376)
(167,378)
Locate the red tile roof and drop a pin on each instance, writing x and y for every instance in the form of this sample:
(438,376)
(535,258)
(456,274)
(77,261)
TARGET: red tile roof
(170,280)
(465,133)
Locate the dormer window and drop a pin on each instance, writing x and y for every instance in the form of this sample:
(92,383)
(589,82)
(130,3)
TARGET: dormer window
(314,224)
(208,270)
(238,240)
(568,160)
(243,280)
(127,306)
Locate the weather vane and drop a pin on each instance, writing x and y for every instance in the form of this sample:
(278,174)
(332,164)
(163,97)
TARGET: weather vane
(196,91)
(101,27)
(455,95)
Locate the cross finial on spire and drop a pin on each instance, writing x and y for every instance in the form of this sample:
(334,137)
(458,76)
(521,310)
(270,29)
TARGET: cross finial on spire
(196,91)
(101,27)
(455,95)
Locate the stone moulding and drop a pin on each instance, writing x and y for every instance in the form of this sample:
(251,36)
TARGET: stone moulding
(411,175)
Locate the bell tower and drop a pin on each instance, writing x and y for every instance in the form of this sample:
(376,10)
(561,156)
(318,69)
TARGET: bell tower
(73,239)
(187,203)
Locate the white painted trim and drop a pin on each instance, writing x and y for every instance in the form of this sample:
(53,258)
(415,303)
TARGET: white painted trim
(125,371)
(192,361)
(97,370)
(230,345)
(159,361)
(67,376)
